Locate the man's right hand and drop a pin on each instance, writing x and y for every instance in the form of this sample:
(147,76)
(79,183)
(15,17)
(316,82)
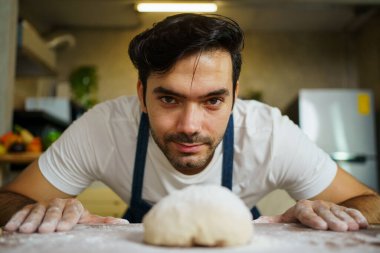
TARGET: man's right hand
(57,215)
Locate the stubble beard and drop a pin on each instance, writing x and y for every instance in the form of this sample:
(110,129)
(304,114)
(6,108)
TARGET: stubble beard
(187,161)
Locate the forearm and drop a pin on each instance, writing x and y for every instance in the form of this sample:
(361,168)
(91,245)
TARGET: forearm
(10,203)
(369,205)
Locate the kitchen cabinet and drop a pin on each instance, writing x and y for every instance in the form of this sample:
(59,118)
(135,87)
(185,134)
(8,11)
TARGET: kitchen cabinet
(34,57)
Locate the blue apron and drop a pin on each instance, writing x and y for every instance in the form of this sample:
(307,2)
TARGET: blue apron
(137,206)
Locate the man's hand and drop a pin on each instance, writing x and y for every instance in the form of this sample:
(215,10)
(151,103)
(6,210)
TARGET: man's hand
(57,215)
(321,215)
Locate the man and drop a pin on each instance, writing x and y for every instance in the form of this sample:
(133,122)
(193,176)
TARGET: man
(186,127)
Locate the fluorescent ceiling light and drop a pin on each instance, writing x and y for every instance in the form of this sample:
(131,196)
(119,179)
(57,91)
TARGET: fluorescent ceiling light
(177,7)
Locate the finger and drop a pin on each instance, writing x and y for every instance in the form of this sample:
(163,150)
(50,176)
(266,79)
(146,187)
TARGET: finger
(91,219)
(333,222)
(71,215)
(96,219)
(268,219)
(33,220)
(305,214)
(52,216)
(114,221)
(358,217)
(345,217)
(18,218)
(289,216)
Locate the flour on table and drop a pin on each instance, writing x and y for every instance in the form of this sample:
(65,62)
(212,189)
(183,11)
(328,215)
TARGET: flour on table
(207,215)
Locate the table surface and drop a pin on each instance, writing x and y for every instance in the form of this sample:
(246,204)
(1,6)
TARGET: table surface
(129,238)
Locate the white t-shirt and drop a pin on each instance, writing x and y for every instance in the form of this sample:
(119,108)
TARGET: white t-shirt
(270,152)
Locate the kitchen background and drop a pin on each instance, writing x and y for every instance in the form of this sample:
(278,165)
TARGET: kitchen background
(290,45)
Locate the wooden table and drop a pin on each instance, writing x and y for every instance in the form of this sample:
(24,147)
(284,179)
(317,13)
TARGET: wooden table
(284,238)
(19,158)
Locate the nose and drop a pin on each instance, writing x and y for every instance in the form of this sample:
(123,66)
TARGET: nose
(190,120)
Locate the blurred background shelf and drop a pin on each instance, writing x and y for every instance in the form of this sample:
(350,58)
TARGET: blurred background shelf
(19,158)
(36,120)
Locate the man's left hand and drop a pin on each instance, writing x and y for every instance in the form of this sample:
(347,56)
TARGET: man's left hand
(321,215)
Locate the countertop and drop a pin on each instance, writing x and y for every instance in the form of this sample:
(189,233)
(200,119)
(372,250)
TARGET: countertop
(128,238)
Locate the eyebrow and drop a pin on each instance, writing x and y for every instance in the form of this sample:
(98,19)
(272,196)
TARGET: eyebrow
(162,90)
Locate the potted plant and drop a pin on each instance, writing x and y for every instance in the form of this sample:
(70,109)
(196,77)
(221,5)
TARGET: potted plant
(84,84)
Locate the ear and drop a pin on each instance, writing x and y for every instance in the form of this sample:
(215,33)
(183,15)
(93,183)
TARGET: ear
(140,94)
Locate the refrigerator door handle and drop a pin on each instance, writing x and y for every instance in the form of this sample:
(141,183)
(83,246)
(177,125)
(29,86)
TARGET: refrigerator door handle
(348,157)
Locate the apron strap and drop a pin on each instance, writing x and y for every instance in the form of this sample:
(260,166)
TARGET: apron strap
(139,167)
(228,160)
(228,154)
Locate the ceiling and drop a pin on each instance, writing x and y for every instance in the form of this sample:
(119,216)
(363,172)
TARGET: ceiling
(253,15)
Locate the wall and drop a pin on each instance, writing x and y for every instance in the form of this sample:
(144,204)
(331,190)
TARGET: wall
(279,64)
(368,57)
(32,87)
(108,50)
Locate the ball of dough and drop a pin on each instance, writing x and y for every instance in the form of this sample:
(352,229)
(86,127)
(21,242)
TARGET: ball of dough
(199,215)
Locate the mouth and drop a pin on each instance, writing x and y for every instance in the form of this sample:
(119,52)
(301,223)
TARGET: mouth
(188,147)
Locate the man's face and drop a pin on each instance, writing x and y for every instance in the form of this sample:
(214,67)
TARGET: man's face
(189,108)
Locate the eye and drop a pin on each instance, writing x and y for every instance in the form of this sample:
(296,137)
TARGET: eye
(168,100)
(214,101)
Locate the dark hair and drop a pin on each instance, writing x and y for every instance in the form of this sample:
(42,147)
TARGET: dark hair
(160,47)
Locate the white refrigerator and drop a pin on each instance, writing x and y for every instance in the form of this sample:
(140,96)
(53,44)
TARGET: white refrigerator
(341,122)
